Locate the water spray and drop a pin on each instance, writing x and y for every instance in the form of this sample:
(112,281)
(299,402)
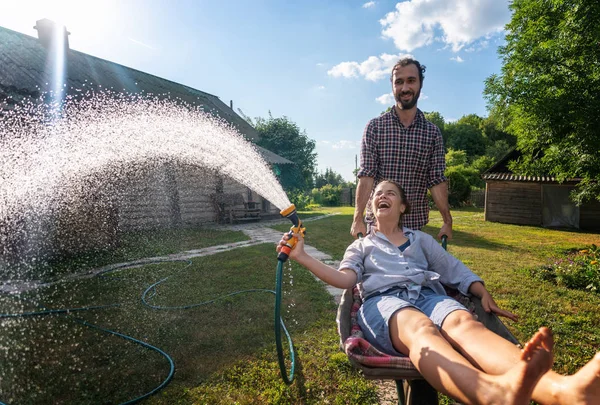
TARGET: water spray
(297,228)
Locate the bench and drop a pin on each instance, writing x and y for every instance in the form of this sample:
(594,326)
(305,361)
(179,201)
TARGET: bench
(232,208)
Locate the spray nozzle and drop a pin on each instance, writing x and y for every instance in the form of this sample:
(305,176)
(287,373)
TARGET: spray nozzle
(297,227)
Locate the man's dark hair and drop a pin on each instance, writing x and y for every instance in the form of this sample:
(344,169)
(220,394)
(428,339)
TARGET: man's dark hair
(409,61)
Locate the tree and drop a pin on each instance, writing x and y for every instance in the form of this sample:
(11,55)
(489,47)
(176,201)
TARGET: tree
(473,120)
(465,137)
(329,177)
(549,90)
(456,158)
(284,137)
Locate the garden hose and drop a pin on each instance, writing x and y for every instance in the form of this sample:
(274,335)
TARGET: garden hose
(283,255)
(151,292)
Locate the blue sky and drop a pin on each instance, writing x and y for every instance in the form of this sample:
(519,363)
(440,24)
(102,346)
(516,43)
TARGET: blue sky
(324,64)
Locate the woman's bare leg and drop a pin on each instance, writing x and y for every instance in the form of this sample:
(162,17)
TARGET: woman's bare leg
(495,355)
(448,371)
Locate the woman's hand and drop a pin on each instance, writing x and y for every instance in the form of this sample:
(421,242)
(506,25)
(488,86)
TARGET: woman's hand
(298,249)
(489,305)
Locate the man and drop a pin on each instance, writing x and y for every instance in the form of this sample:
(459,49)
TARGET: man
(402,146)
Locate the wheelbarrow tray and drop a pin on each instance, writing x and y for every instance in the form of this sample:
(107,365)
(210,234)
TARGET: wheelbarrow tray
(412,389)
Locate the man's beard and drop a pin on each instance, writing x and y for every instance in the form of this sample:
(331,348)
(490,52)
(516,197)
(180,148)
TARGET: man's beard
(407,105)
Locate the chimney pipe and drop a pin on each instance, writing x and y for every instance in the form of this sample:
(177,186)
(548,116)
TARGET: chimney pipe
(231,104)
(52,34)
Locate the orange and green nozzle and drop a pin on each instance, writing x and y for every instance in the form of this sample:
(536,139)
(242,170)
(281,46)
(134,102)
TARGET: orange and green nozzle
(297,227)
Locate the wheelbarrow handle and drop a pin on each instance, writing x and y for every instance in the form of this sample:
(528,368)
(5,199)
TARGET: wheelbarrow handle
(445,242)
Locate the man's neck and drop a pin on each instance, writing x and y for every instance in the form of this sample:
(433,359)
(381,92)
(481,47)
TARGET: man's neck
(406,116)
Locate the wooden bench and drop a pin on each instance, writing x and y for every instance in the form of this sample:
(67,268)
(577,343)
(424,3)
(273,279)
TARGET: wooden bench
(232,208)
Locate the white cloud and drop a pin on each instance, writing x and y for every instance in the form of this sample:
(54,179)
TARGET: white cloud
(373,68)
(417,23)
(320,87)
(343,144)
(368,4)
(385,99)
(319,64)
(457,59)
(388,98)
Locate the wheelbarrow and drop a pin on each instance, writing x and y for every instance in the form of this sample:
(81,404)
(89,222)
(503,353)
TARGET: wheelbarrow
(411,387)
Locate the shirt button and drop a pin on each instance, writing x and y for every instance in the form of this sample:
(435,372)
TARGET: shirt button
(406,267)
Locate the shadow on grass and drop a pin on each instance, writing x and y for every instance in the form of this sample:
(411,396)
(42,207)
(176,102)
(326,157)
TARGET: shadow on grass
(471,240)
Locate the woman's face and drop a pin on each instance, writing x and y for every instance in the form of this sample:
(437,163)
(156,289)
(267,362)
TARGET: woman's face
(387,203)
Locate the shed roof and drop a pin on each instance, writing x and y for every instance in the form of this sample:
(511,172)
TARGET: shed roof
(501,172)
(25,72)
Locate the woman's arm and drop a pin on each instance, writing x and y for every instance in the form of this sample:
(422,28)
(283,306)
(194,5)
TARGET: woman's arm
(344,278)
(487,302)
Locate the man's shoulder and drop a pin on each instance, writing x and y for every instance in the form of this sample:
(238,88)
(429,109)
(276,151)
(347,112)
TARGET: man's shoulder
(384,117)
(429,126)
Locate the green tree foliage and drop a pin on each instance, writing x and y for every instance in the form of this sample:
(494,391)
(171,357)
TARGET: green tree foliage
(329,177)
(465,137)
(473,120)
(497,150)
(456,158)
(493,127)
(284,137)
(549,90)
(327,195)
(483,163)
(436,118)
(459,186)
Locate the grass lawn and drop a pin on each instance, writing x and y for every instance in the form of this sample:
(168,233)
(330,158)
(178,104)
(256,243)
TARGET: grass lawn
(224,352)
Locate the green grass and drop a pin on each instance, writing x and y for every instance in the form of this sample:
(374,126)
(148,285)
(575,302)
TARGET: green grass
(140,244)
(225,352)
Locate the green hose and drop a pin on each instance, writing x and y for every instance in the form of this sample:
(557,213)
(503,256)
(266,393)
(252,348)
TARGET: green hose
(280,325)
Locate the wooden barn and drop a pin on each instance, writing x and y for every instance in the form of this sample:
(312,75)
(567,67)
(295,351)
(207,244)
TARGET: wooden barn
(535,200)
(168,195)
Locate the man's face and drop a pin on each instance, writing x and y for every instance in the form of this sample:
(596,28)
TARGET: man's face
(406,86)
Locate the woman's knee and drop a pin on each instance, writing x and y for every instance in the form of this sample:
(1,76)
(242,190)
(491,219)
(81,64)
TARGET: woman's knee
(410,324)
(460,322)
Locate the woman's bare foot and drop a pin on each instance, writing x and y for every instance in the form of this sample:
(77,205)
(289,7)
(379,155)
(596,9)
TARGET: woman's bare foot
(517,384)
(581,388)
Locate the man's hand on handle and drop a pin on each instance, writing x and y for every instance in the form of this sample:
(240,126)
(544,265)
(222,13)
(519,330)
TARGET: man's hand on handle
(358,226)
(446,229)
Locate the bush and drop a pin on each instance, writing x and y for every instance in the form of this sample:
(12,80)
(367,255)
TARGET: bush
(300,200)
(460,188)
(327,195)
(579,269)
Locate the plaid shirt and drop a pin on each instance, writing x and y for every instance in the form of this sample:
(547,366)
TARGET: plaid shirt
(413,157)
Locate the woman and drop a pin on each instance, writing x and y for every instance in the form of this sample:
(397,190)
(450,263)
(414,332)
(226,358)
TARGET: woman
(400,274)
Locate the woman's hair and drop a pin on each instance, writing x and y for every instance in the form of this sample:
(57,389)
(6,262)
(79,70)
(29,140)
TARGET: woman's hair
(402,197)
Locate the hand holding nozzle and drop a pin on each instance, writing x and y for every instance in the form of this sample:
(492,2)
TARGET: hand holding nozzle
(295,235)
(291,245)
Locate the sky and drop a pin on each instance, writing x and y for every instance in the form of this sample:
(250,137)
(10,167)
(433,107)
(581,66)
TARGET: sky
(323,64)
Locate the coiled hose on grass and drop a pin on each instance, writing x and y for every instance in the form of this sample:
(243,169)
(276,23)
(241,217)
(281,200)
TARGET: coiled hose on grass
(279,324)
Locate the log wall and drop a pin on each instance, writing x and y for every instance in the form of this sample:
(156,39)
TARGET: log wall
(511,202)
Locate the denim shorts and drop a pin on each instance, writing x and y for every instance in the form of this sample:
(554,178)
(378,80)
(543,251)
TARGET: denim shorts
(375,313)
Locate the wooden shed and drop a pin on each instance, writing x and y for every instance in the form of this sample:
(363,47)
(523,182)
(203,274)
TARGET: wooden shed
(535,200)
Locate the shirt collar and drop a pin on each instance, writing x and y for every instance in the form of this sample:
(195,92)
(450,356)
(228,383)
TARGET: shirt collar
(409,233)
(418,117)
